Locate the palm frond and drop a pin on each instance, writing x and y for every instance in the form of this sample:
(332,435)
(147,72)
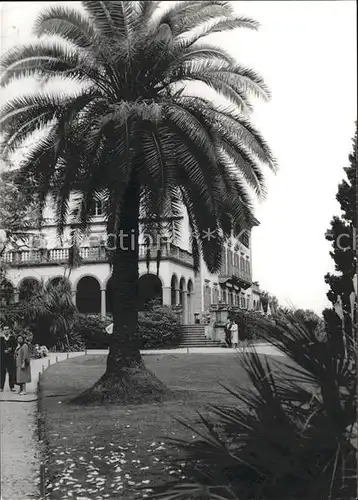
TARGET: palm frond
(68,24)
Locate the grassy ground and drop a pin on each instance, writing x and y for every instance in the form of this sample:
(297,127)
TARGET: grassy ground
(114,452)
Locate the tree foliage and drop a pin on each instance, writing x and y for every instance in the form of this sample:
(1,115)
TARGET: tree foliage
(342,234)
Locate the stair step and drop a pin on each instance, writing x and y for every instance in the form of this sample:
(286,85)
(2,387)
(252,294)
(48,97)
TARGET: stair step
(197,342)
(194,334)
(208,344)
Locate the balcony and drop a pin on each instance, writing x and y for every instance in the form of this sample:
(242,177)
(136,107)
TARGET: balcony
(60,256)
(243,278)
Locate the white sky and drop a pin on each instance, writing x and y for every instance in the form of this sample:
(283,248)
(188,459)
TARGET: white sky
(306,51)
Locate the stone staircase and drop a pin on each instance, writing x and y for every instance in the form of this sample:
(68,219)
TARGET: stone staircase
(194,336)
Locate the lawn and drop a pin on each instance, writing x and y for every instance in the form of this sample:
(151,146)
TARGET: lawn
(114,452)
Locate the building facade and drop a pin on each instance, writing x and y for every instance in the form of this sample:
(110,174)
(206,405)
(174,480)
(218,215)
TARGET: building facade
(45,258)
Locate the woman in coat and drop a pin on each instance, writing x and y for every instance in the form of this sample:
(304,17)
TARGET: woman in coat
(22,357)
(234,334)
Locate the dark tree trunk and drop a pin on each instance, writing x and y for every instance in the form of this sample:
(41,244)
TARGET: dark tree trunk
(126,379)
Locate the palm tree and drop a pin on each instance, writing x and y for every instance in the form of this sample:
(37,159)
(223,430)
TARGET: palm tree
(133,131)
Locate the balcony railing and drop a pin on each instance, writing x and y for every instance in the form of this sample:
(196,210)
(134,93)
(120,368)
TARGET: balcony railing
(35,257)
(243,275)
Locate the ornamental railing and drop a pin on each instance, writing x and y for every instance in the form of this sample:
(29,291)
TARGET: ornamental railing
(36,257)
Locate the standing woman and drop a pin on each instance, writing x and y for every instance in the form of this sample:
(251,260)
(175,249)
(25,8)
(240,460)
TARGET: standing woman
(23,372)
(235,334)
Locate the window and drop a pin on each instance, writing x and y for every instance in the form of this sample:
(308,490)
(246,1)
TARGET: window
(98,208)
(242,264)
(236,263)
(215,295)
(207,297)
(245,239)
(228,262)
(223,264)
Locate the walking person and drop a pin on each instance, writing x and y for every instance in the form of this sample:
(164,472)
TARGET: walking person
(234,334)
(7,361)
(23,370)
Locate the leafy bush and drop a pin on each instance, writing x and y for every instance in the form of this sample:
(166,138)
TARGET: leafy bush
(91,328)
(290,436)
(249,324)
(158,327)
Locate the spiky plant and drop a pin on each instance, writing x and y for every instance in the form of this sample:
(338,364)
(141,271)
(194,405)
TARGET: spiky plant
(49,308)
(292,434)
(133,131)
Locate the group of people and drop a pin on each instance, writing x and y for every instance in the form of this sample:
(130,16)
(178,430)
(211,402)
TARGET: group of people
(14,361)
(231,333)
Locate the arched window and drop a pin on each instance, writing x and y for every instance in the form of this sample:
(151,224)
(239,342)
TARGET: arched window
(28,288)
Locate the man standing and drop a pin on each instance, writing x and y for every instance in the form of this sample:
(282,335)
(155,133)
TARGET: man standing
(7,361)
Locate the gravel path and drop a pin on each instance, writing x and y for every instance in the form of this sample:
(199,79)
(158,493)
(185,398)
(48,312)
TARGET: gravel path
(20,451)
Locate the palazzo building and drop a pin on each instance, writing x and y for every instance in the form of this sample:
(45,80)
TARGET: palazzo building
(45,259)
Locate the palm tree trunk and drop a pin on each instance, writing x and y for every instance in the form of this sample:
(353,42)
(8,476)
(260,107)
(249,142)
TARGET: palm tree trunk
(126,379)
(124,349)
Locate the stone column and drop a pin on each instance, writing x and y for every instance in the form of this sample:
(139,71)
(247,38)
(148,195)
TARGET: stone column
(16,295)
(167,296)
(177,296)
(74,292)
(185,306)
(103,302)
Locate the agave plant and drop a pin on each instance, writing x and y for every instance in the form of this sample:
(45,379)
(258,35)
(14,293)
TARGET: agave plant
(292,434)
(133,132)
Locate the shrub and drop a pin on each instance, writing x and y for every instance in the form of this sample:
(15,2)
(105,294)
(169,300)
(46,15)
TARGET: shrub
(158,327)
(91,328)
(250,324)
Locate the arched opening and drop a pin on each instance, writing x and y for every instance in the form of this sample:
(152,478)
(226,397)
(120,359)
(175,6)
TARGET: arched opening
(88,296)
(59,282)
(7,292)
(28,288)
(149,291)
(182,301)
(181,291)
(173,289)
(190,293)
